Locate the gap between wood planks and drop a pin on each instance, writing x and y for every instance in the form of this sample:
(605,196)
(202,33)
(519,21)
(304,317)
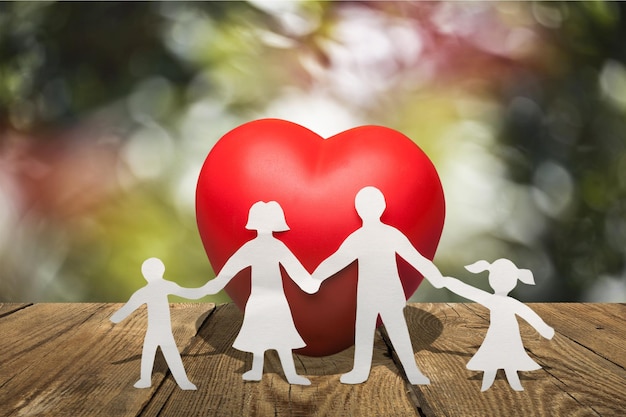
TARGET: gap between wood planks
(584,363)
(165,390)
(10,308)
(415,395)
(231,395)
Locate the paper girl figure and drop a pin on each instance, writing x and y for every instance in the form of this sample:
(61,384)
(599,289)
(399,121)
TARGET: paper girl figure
(379,290)
(502,347)
(159,332)
(267,323)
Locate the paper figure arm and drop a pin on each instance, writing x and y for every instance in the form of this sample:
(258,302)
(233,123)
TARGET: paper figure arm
(190,293)
(534,320)
(424,265)
(298,273)
(335,262)
(233,265)
(467,291)
(134,302)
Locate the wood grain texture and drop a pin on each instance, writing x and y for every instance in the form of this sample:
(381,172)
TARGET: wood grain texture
(83,363)
(8,308)
(594,382)
(599,327)
(217,369)
(445,337)
(70,360)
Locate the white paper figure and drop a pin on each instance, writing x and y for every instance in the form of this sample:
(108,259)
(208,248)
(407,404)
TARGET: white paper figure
(268,322)
(159,332)
(502,347)
(379,291)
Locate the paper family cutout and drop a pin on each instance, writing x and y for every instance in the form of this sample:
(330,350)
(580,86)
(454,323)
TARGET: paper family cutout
(502,347)
(379,289)
(159,332)
(268,322)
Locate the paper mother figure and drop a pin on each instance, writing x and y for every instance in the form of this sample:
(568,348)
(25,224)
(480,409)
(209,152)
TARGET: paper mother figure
(268,322)
(159,332)
(502,347)
(379,289)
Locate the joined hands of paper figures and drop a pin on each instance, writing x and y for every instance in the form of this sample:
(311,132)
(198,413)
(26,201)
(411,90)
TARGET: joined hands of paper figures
(268,322)
(374,245)
(380,293)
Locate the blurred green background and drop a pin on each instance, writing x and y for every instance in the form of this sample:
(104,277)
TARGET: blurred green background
(107,111)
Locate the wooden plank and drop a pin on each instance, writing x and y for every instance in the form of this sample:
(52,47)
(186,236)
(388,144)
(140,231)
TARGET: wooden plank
(23,349)
(27,329)
(217,369)
(91,366)
(69,360)
(445,337)
(589,378)
(8,308)
(599,327)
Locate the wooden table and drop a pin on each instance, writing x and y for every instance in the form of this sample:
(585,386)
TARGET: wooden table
(69,360)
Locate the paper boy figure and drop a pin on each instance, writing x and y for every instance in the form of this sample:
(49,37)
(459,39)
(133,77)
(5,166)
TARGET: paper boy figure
(502,347)
(267,323)
(379,291)
(159,332)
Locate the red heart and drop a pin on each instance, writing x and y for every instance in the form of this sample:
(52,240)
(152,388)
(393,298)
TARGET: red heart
(315,181)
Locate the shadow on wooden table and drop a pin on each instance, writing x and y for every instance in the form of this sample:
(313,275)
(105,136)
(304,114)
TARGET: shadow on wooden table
(424,329)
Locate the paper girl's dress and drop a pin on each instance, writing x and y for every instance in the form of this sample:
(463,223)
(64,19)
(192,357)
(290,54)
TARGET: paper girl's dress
(502,347)
(268,322)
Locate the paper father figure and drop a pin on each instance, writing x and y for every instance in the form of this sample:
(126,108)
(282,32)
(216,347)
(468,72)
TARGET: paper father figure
(267,323)
(159,332)
(379,290)
(502,347)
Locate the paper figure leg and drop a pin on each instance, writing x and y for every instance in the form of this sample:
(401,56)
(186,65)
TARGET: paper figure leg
(147,362)
(286,359)
(513,378)
(175,363)
(488,378)
(396,327)
(256,373)
(363,347)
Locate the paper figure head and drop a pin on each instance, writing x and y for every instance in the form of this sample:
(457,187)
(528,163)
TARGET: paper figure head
(503,274)
(266,217)
(370,203)
(152,269)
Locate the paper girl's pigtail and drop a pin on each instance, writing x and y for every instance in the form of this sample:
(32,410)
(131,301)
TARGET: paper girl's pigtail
(526,276)
(502,267)
(478,267)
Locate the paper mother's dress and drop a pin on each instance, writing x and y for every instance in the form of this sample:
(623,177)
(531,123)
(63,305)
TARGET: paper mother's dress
(159,331)
(379,290)
(502,347)
(268,322)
